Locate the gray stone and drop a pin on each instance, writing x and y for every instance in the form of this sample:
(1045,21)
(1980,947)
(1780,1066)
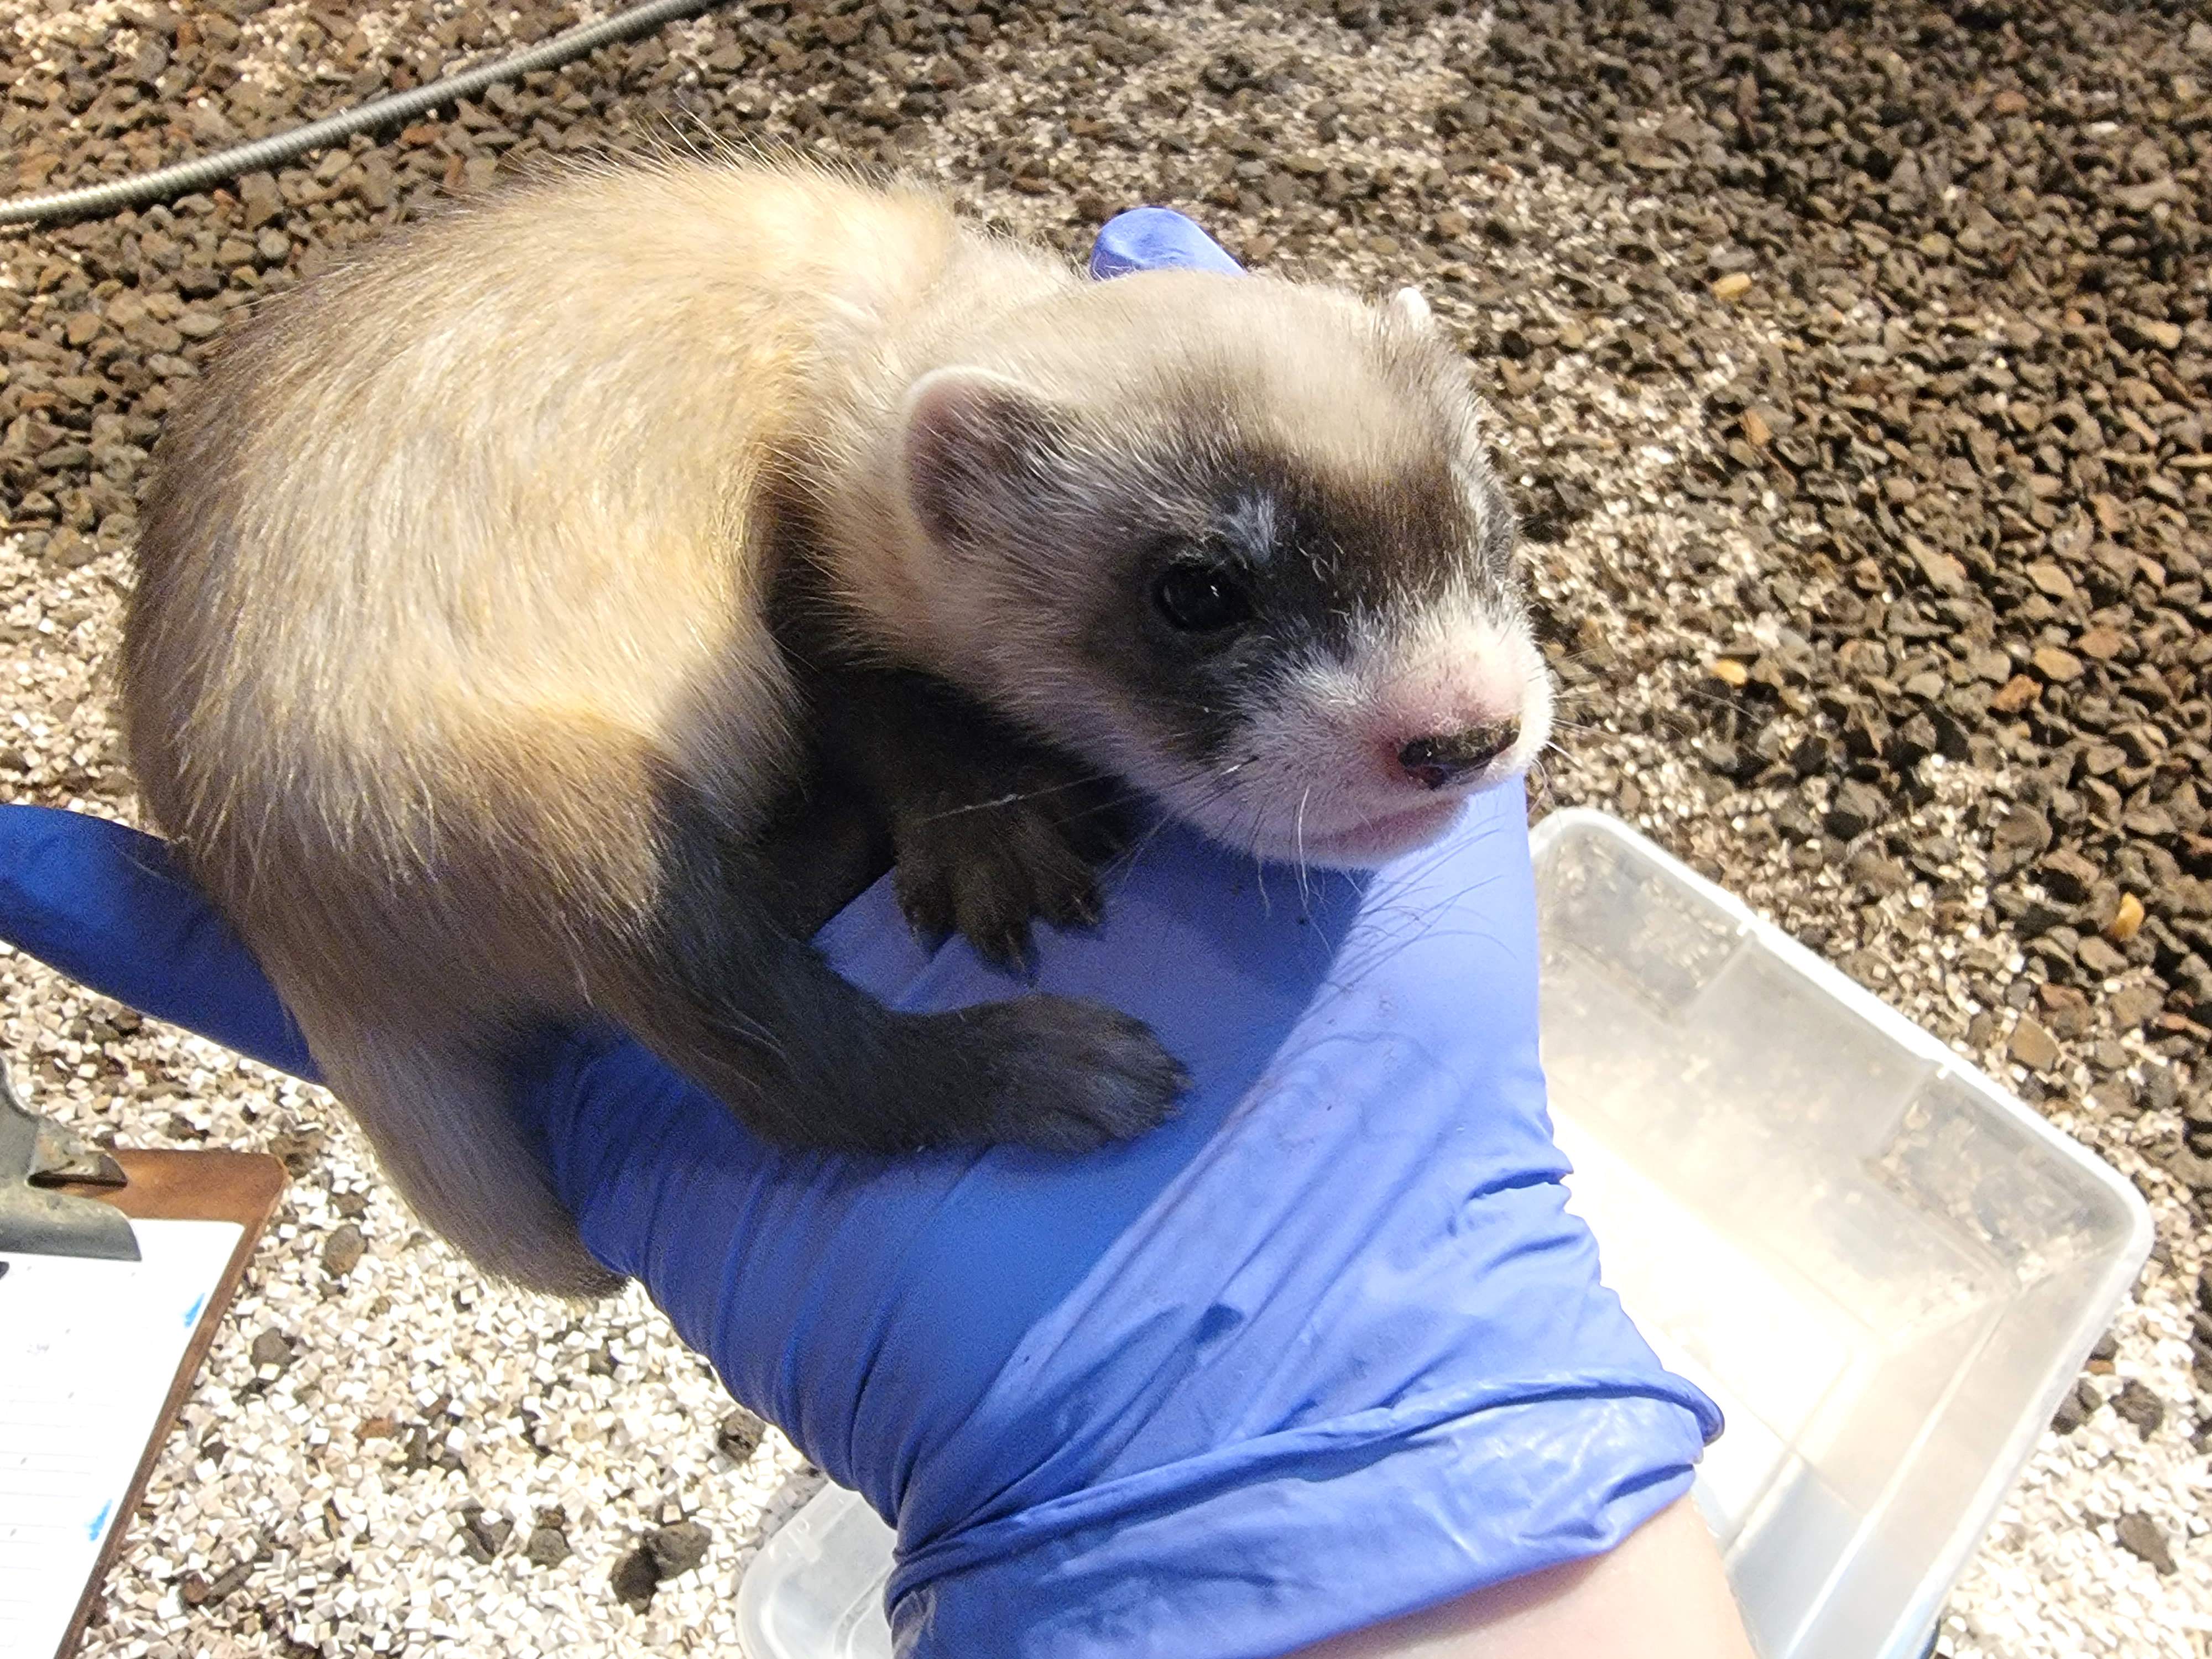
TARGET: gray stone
(2140,1407)
(342,1250)
(1876,874)
(2080,1405)
(2031,1046)
(484,1533)
(548,1546)
(259,198)
(634,1579)
(272,1348)
(2144,1538)
(1854,808)
(678,1548)
(2132,1004)
(737,1436)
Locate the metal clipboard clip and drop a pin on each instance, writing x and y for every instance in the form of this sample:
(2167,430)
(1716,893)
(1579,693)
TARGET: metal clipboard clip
(37,1156)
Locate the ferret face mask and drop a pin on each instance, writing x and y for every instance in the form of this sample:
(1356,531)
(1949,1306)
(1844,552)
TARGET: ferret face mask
(1270,578)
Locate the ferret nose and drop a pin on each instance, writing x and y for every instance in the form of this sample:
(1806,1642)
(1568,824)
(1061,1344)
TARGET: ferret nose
(1436,762)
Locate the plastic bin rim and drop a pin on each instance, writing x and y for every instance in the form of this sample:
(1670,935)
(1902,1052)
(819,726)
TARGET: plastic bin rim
(1849,992)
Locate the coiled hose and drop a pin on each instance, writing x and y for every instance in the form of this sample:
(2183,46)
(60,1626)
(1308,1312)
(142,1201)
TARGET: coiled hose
(93,200)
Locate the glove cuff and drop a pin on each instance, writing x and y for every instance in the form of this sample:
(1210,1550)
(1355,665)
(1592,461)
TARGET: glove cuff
(1259,1549)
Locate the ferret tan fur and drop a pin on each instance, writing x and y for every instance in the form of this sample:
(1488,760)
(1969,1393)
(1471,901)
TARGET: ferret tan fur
(451,668)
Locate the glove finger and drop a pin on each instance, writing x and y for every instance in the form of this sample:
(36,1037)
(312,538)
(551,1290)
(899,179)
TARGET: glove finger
(108,905)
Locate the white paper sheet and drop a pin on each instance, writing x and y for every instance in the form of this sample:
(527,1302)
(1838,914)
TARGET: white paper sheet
(88,1351)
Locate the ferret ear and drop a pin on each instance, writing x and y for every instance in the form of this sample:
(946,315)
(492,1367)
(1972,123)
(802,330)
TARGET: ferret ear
(972,437)
(1409,310)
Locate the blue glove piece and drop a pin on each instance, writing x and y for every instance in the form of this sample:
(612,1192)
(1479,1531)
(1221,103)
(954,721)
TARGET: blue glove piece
(104,903)
(1150,238)
(1325,1349)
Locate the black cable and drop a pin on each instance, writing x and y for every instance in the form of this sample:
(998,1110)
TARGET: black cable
(186,177)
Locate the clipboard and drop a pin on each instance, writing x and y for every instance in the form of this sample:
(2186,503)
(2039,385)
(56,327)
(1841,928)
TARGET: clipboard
(106,1315)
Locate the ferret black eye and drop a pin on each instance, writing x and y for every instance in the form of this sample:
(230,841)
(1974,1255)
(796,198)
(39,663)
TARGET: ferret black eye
(1198,598)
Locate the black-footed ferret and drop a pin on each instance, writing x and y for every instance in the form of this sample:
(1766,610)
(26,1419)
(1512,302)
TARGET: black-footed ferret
(450,666)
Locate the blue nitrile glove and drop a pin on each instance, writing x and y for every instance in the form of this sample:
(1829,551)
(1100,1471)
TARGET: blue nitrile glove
(1149,239)
(1325,1349)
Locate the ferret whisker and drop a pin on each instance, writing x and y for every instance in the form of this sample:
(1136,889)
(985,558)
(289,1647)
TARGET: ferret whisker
(1542,778)
(1696,693)
(1015,797)
(1305,892)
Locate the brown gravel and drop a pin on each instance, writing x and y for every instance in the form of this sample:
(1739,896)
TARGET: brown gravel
(1851,362)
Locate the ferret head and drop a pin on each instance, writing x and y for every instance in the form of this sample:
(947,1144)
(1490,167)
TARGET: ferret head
(1235,541)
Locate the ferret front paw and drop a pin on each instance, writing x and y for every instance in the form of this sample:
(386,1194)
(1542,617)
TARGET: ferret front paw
(986,868)
(1063,1075)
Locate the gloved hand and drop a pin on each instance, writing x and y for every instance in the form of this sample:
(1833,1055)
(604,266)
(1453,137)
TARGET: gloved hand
(1325,1349)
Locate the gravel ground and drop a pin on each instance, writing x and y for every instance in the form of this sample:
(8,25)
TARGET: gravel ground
(1851,362)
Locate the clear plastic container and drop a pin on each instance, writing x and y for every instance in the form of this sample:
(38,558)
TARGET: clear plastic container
(1885,1268)
(816,1590)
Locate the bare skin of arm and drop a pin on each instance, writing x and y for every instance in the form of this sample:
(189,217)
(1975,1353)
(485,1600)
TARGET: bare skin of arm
(1661,1595)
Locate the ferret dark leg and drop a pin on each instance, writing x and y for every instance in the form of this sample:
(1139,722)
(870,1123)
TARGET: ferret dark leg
(737,1002)
(990,827)
(823,845)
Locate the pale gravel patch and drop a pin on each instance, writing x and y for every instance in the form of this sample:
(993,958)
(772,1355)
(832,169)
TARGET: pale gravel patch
(34,25)
(2052,1578)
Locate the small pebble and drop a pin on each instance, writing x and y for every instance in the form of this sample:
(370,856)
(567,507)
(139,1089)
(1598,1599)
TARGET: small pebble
(738,1435)
(2033,1046)
(677,1549)
(2080,1405)
(2142,1537)
(2140,1407)
(271,1352)
(342,1250)
(635,1577)
(548,1546)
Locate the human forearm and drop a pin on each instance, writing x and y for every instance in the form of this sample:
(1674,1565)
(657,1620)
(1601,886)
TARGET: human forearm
(1662,1594)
